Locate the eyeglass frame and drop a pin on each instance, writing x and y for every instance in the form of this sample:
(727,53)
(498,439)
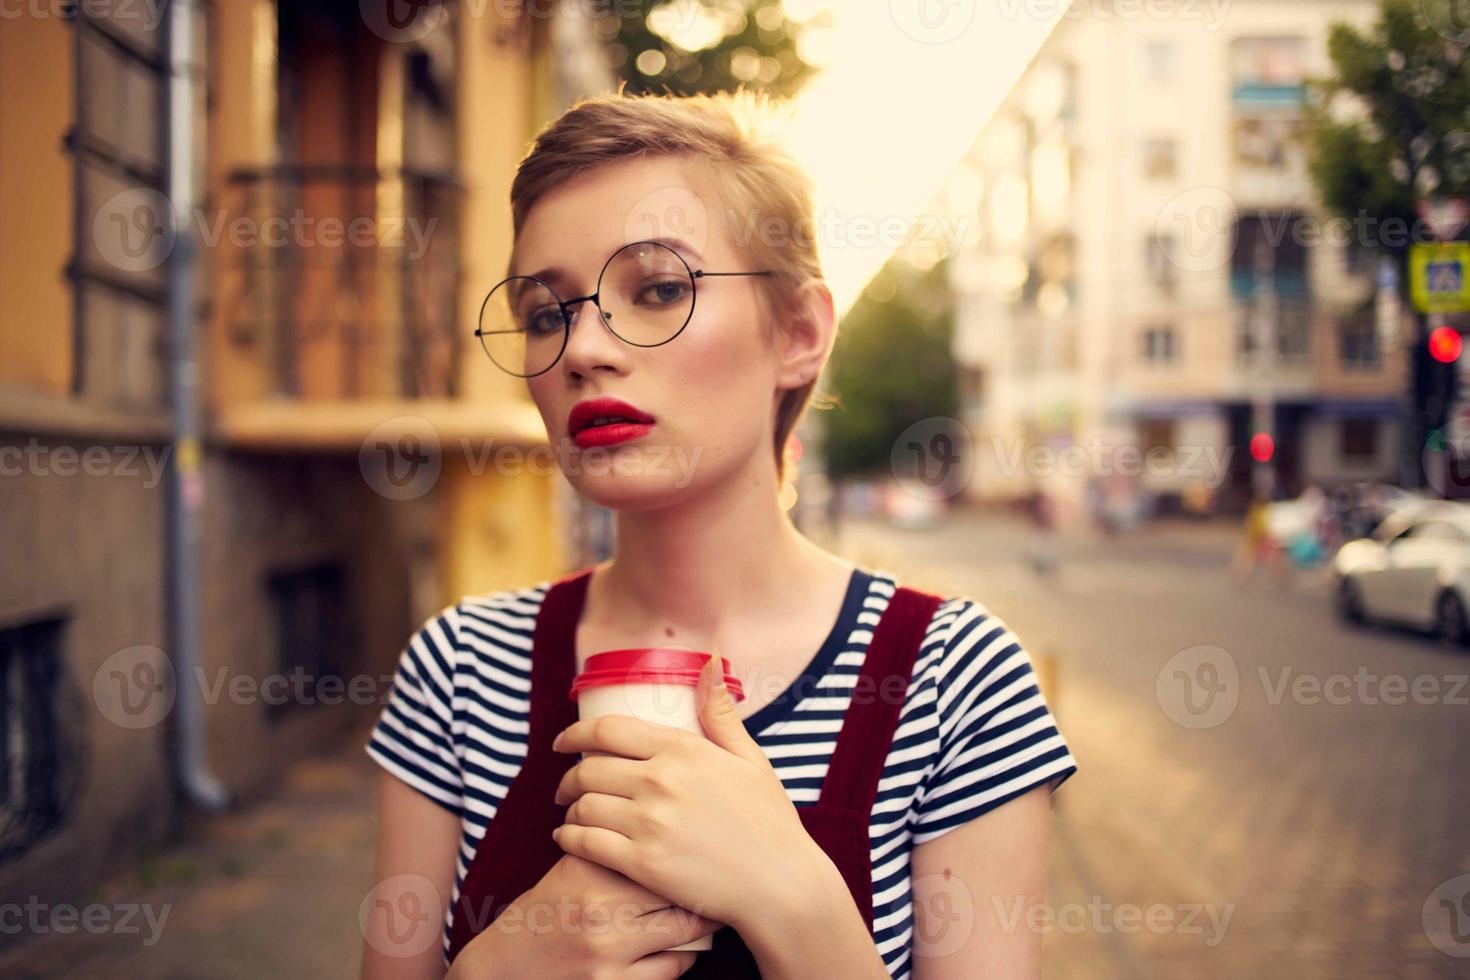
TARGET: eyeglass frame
(595,297)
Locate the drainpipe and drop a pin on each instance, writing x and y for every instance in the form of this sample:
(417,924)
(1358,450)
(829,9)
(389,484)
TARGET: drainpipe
(185,475)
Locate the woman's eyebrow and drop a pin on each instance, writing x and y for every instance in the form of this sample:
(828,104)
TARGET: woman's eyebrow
(687,251)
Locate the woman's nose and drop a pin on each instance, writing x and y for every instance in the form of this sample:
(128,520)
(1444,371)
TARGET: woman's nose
(590,343)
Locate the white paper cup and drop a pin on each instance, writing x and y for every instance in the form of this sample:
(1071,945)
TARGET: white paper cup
(656,684)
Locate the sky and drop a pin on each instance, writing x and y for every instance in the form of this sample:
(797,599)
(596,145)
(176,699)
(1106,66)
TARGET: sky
(908,87)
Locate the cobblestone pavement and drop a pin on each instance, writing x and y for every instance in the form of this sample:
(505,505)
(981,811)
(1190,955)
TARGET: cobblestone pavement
(1315,799)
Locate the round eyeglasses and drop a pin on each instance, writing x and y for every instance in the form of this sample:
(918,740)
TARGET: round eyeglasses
(645,296)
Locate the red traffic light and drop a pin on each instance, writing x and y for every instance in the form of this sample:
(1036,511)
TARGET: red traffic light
(1445,344)
(1263,447)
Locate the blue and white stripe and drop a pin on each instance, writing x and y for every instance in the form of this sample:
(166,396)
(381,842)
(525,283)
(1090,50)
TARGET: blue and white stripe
(973,733)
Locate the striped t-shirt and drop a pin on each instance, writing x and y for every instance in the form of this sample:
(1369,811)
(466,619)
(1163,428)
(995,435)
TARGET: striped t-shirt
(973,731)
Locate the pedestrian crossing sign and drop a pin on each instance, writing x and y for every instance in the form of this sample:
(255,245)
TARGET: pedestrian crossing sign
(1438,279)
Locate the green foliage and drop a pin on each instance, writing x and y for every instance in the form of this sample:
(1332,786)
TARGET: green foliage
(742,43)
(891,367)
(1392,123)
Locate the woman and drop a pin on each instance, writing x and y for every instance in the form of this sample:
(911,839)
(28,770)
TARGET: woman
(663,258)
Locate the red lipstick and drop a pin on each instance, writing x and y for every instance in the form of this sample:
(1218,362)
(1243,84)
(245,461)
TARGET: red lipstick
(606,422)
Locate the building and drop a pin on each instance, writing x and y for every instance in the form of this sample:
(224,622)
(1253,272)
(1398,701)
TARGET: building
(348,210)
(1145,228)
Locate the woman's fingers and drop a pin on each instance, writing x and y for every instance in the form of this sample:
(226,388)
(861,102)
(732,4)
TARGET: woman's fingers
(615,813)
(662,966)
(609,774)
(674,926)
(606,847)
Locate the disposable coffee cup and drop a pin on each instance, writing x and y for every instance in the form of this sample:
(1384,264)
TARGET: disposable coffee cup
(658,685)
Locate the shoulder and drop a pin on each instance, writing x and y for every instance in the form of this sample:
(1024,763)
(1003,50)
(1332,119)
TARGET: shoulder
(478,628)
(967,649)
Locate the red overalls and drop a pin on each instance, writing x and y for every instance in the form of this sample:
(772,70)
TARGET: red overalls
(517,849)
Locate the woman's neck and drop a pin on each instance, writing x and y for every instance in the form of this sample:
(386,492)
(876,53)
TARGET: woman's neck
(731,552)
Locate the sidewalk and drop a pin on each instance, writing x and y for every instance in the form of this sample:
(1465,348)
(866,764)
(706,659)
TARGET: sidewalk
(272,891)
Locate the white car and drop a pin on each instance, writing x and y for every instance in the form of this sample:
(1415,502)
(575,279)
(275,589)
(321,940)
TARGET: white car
(1415,570)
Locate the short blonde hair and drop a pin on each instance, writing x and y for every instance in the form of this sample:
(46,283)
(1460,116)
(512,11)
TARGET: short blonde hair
(732,138)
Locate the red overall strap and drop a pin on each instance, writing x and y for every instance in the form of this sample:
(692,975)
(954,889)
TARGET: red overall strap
(877,700)
(517,849)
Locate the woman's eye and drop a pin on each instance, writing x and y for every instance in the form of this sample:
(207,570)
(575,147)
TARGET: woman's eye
(663,293)
(543,321)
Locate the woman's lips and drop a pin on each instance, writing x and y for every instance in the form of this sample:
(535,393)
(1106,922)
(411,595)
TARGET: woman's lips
(596,436)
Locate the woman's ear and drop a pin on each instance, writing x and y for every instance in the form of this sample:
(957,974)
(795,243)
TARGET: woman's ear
(804,339)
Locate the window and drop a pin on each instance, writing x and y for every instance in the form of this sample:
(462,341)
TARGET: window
(1158,60)
(1358,343)
(1161,255)
(1156,436)
(42,736)
(122,239)
(310,614)
(1159,159)
(1358,439)
(1160,345)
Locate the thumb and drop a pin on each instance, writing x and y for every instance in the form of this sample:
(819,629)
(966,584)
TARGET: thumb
(719,716)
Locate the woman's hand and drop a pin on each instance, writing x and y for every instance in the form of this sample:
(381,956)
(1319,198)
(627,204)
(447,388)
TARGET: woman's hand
(705,822)
(580,921)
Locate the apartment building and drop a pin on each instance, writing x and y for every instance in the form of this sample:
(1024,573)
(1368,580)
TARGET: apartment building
(1147,229)
(347,210)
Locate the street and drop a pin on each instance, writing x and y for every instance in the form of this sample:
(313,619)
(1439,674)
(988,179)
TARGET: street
(1299,833)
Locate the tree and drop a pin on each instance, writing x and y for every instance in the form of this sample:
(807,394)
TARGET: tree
(891,367)
(1392,126)
(688,47)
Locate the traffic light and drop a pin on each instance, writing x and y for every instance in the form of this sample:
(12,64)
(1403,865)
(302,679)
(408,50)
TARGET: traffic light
(1445,344)
(1263,447)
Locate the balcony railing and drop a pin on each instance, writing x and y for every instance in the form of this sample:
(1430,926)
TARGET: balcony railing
(344,280)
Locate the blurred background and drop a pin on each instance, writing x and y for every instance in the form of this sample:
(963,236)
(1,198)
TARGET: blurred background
(1152,318)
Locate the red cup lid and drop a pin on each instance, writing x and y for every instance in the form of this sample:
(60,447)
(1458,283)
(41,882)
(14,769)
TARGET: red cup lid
(649,665)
